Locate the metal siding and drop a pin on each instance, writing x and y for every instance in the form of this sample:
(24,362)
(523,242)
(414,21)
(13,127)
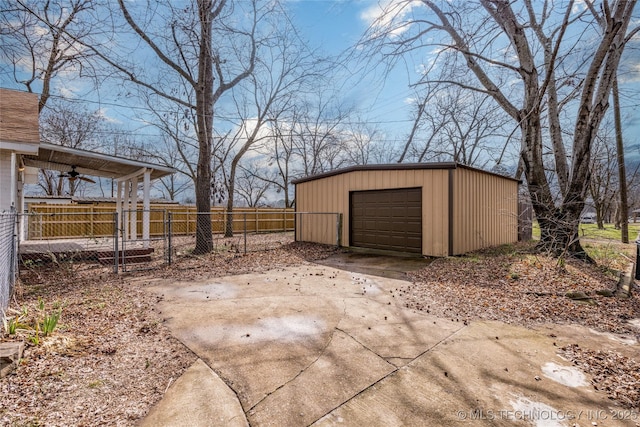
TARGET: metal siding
(485,208)
(434,211)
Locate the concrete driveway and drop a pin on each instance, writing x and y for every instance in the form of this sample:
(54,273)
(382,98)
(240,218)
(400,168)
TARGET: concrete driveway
(317,345)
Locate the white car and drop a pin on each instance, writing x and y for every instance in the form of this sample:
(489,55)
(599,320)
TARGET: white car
(589,218)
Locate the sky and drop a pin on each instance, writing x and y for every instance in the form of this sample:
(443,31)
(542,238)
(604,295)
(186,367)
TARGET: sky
(337,25)
(334,26)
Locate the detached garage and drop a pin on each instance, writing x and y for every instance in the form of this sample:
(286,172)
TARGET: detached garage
(433,209)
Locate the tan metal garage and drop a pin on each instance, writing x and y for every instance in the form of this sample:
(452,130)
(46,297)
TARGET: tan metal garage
(435,209)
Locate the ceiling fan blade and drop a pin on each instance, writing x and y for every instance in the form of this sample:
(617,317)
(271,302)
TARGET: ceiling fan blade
(72,178)
(89,180)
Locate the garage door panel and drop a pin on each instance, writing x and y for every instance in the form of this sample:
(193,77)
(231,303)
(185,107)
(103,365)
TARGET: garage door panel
(410,228)
(387,219)
(414,211)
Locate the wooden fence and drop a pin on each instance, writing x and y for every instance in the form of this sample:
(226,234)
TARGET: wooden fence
(81,221)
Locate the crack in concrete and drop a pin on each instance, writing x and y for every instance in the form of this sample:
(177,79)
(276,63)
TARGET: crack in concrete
(303,370)
(396,369)
(226,381)
(361,344)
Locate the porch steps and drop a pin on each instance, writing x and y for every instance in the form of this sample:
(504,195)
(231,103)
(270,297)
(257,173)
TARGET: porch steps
(129,256)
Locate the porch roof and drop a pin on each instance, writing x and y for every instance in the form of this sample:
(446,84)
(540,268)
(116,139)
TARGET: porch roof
(59,158)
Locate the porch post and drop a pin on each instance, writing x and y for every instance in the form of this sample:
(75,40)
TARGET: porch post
(14,182)
(125,217)
(119,202)
(146,206)
(134,208)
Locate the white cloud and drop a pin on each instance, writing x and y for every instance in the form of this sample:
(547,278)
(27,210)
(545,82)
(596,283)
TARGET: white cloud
(389,16)
(102,113)
(632,75)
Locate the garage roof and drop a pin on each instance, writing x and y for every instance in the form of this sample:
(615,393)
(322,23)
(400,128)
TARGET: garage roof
(59,158)
(397,166)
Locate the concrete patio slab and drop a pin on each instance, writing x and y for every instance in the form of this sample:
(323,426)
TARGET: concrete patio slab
(340,372)
(489,373)
(316,345)
(199,398)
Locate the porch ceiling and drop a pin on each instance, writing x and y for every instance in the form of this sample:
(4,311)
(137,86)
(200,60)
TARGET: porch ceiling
(58,158)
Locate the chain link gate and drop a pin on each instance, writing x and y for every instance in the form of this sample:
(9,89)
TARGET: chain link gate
(143,239)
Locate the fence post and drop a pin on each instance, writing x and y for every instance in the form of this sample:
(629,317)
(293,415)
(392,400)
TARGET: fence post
(245,232)
(169,219)
(15,250)
(338,229)
(116,257)
(91,215)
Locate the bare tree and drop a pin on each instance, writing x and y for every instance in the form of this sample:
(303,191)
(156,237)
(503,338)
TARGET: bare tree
(39,41)
(455,124)
(69,126)
(317,141)
(282,68)
(622,173)
(279,169)
(250,188)
(499,41)
(203,50)
(361,141)
(603,187)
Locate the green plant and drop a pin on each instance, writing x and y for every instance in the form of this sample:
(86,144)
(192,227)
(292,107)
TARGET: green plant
(96,384)
(11,325)
(49,321)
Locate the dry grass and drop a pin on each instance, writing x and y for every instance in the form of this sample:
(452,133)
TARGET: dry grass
(513,284)
(111,357)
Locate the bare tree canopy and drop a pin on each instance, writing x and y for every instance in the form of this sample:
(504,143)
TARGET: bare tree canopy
(193,54)
(546,64)
(40,41)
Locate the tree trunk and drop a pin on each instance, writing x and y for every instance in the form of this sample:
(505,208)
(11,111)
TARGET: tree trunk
(599,221)
(558,226)
(623,207)
(559,235)
(228,229)
(204,111)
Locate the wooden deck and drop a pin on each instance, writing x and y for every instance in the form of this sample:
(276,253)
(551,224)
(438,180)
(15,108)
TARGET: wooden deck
(101,251)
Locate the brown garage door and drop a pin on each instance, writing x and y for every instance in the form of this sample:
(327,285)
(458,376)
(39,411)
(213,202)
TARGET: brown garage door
(387,219)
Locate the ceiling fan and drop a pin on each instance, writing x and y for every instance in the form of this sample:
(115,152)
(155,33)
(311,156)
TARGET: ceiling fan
(73,174)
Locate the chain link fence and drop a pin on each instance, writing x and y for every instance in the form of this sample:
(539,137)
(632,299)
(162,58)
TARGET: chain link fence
(140,239)
(8,258)
(68,237)
(141,248)
(237,232)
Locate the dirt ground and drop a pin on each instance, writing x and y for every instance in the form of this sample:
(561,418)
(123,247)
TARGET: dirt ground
(111,357)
